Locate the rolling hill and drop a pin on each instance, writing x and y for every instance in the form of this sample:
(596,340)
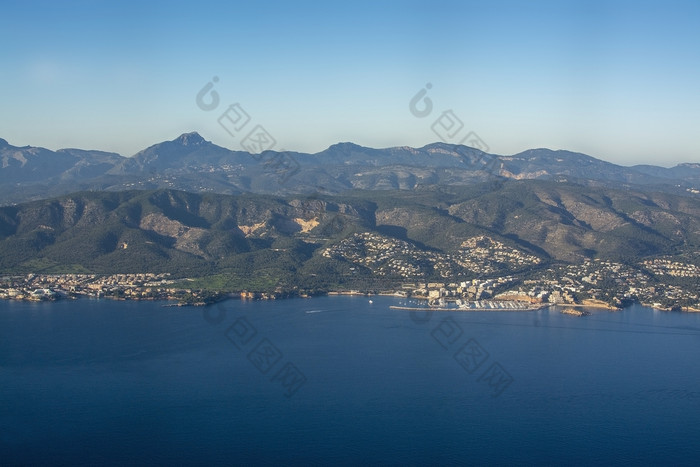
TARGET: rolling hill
(320,241)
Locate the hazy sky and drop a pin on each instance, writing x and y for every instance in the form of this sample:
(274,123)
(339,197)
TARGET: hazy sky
(616,80)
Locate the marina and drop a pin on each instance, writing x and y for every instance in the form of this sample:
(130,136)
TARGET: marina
(478,305)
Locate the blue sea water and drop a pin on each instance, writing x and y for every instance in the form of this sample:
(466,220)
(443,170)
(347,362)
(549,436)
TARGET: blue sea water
(337,380)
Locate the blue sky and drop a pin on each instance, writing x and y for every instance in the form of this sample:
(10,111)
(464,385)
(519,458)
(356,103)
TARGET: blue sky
(617,80)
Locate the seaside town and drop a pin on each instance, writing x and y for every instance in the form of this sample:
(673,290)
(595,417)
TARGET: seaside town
(38,287)
(594,283)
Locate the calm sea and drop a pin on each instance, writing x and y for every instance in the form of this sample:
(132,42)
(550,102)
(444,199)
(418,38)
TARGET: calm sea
(339,380)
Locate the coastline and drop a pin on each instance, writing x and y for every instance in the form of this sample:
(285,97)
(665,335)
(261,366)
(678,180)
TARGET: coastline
(466,310)
(590,304)
(176,300)
(476,305)
(154,287)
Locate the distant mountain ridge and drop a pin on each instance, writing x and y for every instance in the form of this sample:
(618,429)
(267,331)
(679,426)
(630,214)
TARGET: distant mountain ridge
(193,164)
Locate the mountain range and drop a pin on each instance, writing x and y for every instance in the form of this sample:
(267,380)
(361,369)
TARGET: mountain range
(325,241)
(346,217)
(193,164)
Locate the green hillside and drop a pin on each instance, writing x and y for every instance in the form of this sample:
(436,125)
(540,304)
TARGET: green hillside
(263,242)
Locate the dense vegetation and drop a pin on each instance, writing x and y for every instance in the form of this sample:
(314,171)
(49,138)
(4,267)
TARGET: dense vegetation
(259,242)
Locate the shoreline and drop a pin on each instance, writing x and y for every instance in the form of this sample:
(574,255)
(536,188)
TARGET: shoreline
(467,310)
(602,306)
(500,305)
(203,297)
(177,302)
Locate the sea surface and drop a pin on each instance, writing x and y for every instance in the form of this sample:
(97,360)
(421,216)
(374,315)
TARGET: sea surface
(342,381)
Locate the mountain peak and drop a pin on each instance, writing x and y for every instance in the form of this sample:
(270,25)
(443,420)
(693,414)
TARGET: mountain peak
(3,143)
(190,139)
(344,146)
